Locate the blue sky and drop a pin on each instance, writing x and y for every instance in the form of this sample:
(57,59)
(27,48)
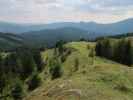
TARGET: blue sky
(48,11)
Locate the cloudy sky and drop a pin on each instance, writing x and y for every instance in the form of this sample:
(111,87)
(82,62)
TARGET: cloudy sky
(48,11)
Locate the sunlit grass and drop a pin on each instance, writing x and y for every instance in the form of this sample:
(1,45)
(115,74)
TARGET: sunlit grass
(103,80)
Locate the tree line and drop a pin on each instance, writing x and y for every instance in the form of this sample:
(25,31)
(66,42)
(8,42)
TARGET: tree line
(17,69)
(120,50)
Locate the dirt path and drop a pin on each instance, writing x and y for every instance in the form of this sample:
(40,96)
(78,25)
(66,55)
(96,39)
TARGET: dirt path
(56,91)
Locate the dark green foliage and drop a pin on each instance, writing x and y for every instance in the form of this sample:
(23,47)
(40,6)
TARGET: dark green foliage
(20,64)
(63,58)
(2,75)
(55,69)
(92,55)
(34,82)
(28,63)
(98,48)
(82,39)
(9,42)
(104,48)
(108,49)
(2,82)
(1,59)
(76,64)
(38,60)
(60,47)
(17,91)
(121,51)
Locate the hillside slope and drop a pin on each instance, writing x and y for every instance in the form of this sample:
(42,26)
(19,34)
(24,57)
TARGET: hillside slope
(97,79)
(51,36)
(10,41)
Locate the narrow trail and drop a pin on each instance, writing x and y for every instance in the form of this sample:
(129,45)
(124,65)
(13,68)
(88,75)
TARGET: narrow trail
(57,91)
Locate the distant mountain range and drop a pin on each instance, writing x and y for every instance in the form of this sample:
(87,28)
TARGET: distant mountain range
(15,35)
(92,27)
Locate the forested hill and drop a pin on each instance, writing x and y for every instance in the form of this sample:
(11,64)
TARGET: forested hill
(120,50)
(51,36)
(69,71)
(9,41)
(76,73)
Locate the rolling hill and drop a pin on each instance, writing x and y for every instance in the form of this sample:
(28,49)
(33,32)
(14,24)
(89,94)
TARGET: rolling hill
(49,37)
(10,41)
(49,34)
(101,80)
(68,31)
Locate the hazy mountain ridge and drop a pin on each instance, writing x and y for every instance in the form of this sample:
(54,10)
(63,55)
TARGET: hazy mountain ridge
(113,28)
(49,34)
(49,37)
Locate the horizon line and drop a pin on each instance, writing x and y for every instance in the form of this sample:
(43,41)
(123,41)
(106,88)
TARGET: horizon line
(37,23)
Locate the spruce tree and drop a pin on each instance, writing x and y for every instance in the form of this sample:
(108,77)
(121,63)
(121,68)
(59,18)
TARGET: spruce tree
(55,69)
(34,82)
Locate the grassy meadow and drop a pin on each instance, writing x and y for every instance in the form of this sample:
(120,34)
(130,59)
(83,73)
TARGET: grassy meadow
(95,78)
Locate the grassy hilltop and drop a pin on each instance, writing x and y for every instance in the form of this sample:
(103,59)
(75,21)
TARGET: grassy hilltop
(84,76)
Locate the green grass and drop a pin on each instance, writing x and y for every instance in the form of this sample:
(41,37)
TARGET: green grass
(103,80)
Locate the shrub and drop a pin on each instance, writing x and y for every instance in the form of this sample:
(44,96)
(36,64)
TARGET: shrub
(34,82)
(60,46)
(17,92)
(76,64)
(63,58)
(122,87)
(55,70)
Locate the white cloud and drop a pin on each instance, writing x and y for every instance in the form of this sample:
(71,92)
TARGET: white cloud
(31,11)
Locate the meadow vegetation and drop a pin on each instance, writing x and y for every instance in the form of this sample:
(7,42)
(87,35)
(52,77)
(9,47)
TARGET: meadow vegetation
(76,70)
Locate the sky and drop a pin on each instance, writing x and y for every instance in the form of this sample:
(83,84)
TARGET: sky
(49,11)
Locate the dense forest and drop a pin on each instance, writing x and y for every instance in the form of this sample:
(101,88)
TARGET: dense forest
(15,68)
(120,50)
(19,70)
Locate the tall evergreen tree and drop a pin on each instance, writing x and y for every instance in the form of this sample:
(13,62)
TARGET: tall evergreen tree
(98,48)
(38,60)
(29,65)
(55,69)
(59,46)
(34,82)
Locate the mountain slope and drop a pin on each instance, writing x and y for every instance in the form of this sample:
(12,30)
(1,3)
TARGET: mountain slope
(51,36)
(103,80)
(10,41)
